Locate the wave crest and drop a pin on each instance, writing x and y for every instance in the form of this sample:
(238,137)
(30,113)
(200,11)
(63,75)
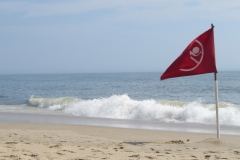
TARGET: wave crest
(123,107)
(52,103)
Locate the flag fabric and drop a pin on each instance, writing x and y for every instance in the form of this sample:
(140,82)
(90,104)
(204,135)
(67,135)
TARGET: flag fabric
(197,58)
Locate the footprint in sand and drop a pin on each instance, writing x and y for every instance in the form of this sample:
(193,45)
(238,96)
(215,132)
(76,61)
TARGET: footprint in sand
(12,156)
(11,143)
(96,150)
(59,153)
(137,156)
(12,134)
(150,157)
(56,146)
(175,142)
(33,155)
(207,156)
(68,151)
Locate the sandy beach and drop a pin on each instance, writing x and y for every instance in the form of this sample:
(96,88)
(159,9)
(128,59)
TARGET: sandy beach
(79,142)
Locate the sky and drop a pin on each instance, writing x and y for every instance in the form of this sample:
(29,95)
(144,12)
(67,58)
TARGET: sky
(102,36)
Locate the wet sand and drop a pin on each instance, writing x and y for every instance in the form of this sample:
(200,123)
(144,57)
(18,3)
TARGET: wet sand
(80,142)
(45,118)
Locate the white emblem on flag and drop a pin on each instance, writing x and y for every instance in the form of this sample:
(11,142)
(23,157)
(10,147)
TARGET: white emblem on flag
(194,53)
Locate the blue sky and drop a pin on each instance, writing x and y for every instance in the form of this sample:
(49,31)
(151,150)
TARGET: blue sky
(82,36)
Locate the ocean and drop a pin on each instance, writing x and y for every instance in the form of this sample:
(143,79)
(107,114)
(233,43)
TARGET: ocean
(124,96)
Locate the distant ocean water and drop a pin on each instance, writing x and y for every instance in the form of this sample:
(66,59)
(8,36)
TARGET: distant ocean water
(134,96)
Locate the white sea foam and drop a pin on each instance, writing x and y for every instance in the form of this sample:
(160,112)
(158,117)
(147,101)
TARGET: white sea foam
(123,107)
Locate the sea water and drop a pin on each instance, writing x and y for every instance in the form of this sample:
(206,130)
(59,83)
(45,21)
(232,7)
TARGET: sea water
(124,96)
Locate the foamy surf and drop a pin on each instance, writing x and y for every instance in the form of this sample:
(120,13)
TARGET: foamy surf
(123,107)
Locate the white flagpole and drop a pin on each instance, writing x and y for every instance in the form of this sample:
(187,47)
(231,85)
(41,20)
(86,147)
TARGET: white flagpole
(216,98)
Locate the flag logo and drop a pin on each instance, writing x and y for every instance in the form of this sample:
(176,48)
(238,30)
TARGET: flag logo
(196,55)
(197,58)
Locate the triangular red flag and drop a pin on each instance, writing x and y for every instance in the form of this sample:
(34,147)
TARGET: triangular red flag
(197,58)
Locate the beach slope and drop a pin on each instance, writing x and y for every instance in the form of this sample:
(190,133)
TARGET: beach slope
(79,142)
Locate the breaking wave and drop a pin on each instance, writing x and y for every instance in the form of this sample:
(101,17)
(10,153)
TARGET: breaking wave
(123,107)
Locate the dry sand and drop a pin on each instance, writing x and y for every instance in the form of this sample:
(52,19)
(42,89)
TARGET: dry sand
(76,142)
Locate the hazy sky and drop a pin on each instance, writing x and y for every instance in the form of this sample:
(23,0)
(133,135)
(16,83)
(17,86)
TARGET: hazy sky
(78,36)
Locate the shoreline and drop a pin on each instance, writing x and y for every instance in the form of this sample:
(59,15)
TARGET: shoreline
(33,118)
(74,142)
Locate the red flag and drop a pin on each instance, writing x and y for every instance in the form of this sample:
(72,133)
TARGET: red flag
(197,58)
